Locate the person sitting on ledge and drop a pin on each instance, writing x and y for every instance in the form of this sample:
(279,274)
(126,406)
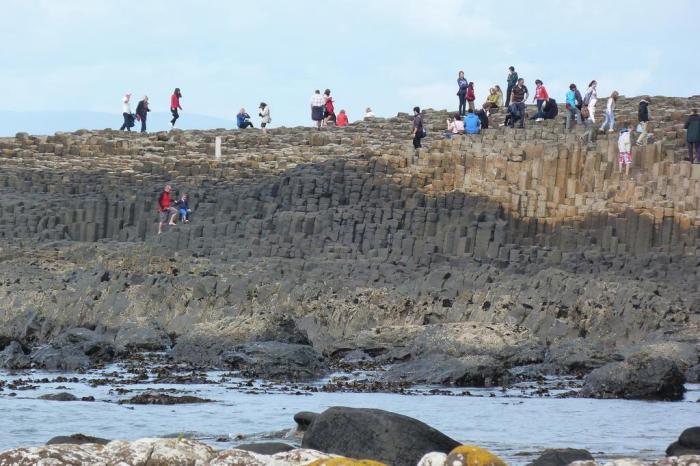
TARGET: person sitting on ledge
(484,118)
(491,100)
(369,113)
(513,115)
(472,123)
(454,126)
(243,120)
(550,109)
(342,119)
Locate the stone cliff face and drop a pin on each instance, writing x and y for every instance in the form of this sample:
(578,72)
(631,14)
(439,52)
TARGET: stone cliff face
(337,239)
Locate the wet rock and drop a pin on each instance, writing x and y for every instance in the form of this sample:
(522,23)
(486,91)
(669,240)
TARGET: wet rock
(375,434)
(162,399)
(275,361)
(76,439)
(561,457)
(62,396)
(641,376)
(13,357)
(692,375)
(304,420)
(66,357)
(265,448)
(581,356)
(688,443)
(142,336)
(474,371)
(97,346)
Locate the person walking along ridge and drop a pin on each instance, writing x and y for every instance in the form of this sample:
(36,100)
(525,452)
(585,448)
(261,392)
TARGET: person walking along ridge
(692,126)
(126,113)
(462,84)
(418,132)
(512,80)
(317,108)
(142,110)
(572,110)
(609,114)
(590,98)
(175,106)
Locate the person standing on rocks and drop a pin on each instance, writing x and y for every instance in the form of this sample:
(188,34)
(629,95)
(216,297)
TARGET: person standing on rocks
(590,98)
(418,129)
(462,84)
(519,96)
(512,81)
(609,115)
(317,108)
(624,146)
(165,208)
(692,126)
(573,112)
(643,115)
(126,113)
(142,110)
(471,96)
(175,106)
(264,115)
(541,97)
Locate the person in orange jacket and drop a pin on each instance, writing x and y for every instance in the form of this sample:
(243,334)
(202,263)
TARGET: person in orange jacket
(175,106)
(342,119)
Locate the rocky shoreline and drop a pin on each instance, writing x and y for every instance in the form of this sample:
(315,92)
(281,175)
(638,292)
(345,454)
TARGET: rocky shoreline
(333,437)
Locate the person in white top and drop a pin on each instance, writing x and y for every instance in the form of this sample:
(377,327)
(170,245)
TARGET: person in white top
(609,114)
(126,113)
(264,115)
(369,113)
(624,146)
(454,126)
(317,106)
(590,98)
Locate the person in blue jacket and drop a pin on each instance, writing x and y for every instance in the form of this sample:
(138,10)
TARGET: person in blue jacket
(183,206)
(472,123)
(243,120)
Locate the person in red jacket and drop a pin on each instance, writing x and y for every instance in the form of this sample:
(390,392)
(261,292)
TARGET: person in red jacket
(175,106)
(165,208)
(342,119)
(471,97)
(541,97)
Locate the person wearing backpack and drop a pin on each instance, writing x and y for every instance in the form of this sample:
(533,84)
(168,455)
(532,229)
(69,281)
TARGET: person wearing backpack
(126,113)
(693,136)
(590,98)
(462,84)
(175,106)
(419,131)
(512,81)
(142,110)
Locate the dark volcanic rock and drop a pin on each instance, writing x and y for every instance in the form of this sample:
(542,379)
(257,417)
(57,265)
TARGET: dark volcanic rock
(265,448)
(274,360)
(13,357)
(98,347)
(561,457)
(162,399)
(62,396)
(66,357)
(142,336)
(580,355)
(687,444)
(77,439)
(692,375)
(375,434)
(641,376)
(474,371)
(304,419)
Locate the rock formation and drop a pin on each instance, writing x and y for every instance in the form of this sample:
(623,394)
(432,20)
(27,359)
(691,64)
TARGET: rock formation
(495,250)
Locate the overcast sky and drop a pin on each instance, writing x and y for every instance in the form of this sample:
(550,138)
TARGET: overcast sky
(387,54)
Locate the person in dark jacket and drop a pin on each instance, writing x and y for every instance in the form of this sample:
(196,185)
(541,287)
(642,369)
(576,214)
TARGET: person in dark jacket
(484,117)
(512,81)
(693,136)
(462,84)
(142,110)
(418,132)
(643,115)
(243,120)
(550,109)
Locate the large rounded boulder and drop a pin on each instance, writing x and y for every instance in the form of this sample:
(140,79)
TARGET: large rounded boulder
(561,457)
(375,434)
(687,444)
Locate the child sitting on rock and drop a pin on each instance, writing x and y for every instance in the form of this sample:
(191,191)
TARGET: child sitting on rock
(624,145)
(184,207)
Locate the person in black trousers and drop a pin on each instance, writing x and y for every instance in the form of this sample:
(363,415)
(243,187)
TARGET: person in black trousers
(142,112)
(462,84)
(512,81)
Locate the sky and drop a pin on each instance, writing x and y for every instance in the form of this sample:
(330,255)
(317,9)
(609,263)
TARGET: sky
(83,55)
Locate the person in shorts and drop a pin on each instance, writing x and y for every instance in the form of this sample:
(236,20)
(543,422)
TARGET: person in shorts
(165,208)
(317,108)
(264,115)
(624,145)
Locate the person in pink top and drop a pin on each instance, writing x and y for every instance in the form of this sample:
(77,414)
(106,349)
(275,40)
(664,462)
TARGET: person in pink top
(175,106)
(541,97)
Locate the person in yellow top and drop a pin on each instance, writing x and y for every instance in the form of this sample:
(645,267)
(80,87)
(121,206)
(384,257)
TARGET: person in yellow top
(492,100)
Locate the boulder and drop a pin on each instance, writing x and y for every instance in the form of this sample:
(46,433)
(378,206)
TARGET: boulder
(13,357)
(375,434)
(76,439)
(561,457)
(162,399)
(142,336)
(67,358)
(470,455)
(275,361)
(62,396)
(304,420)
(581,355)
(265,448)
(641,376)
(97,346)
(433,459)
(688,443)
(470,371)
(692,375)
